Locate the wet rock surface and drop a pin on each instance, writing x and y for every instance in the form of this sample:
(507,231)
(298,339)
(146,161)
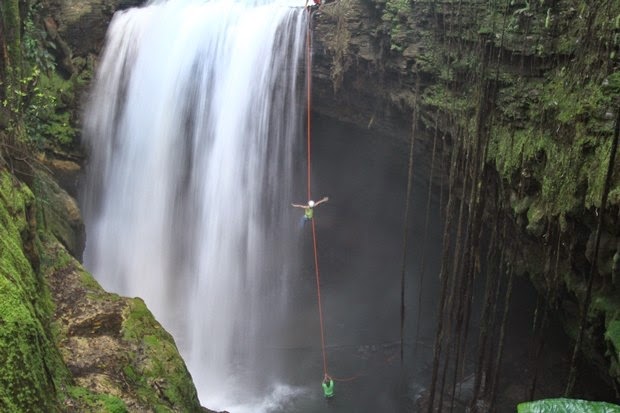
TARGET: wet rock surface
(103,351)
(80,25)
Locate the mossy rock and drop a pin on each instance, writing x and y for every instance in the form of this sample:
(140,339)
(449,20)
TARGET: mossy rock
(113,346)
(59,213)
(520,206)
(30,368)
(82,399)
(65,343)
(612,335)
(536,220)
(160,367)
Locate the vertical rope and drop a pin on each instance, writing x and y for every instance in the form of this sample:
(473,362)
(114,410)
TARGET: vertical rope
(309,161)
(308,92)
(318,293)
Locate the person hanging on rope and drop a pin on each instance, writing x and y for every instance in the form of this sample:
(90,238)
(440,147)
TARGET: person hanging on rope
(309,209)
(314,7)
(328,387)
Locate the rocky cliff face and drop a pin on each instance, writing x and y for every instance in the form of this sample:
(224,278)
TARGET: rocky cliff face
(528,90)
(67,345)
(30,365)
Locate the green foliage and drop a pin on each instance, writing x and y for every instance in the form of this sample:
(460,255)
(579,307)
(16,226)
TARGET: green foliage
(36,94)
(612,336)
(36,42)
(560,130)
(439,97)
(41,108)
(47,117)
(564,100)
(11,25)
(567,406)
(15,94)
(562,167)
(339,11)
(395,16)
(611,87)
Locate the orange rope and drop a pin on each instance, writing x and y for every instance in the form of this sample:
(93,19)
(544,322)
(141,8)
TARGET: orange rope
(309,85)
(345,379)
(316,257)
(318,293)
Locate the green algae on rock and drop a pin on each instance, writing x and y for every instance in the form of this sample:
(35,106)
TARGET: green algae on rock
(31,371)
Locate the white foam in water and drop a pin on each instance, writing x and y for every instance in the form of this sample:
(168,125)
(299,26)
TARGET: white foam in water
(194,132)
(281,397)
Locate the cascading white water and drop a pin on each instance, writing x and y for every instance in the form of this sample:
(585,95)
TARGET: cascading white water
(192,128)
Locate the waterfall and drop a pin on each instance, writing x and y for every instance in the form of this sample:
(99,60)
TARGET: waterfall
(194,134)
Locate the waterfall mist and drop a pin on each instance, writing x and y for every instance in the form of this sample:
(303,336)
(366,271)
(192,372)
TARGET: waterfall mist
(194,134)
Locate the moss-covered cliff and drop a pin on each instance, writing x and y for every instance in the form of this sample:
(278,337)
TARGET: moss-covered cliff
(31,369)
(65,344)
(522,101)
(112,346)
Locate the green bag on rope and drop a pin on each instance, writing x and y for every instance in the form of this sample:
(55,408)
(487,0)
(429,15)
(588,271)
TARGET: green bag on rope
(567,406)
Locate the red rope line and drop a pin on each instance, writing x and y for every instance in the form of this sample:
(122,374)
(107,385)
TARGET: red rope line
(346,379)
(308,93)
(318,294)
(316,256)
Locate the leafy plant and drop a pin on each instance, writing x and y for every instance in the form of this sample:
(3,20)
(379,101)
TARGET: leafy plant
(36,43)
(47,119)
(395,16)
(34,100)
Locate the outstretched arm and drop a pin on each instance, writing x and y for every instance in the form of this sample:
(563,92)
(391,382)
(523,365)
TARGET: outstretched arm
(299,206)
(320,201)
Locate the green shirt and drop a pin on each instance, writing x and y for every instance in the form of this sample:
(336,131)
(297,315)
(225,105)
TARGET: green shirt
(328,388)
(308,213)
